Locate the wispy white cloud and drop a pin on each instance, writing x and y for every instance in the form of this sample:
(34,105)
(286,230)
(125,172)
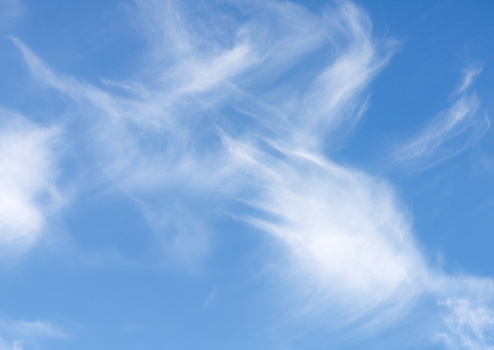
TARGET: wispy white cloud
(469,75)
(28,174)
(31,329)
(332,96)
(343,229)
(468,325)
(21,334)
(452,131)
(154,137)
(221,112)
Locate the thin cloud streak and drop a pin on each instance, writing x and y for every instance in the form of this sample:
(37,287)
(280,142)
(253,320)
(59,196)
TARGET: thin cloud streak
(334,93)
(451,132)
(469,76)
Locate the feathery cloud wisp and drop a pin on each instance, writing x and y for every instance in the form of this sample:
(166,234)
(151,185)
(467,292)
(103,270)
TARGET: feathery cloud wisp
(451,131)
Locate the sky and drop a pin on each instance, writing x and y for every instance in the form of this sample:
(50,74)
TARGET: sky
(235,174)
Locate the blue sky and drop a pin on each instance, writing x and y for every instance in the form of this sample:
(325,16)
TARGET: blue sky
(246,174)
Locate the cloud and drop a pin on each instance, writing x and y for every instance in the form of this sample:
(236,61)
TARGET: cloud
(28,173)
(21,334)
(150,137)
(232,111)
(31,329)
(333,94)
(469,325)
(469,75)
(452,131)
(343,230)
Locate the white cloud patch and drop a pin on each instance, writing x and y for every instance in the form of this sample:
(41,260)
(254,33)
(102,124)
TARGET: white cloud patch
(343,229)
(28,173)
(469,325)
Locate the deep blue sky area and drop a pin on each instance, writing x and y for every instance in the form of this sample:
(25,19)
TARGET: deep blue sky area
(246,174)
